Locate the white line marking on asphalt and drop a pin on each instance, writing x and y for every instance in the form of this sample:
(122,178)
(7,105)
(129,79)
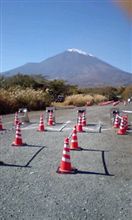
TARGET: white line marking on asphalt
(67,129)
(10,122)
(126,111)
(102,129)
(63,126)
(29,127)
(34,126)
(52,129)
(105,129)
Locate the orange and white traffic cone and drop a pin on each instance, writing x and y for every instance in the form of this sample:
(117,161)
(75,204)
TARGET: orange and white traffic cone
(125,117)
(1,126)
(79,124)
(16,120)
(65,165)
(84,119)
(122,129)
(116,122)
(50,120)
(41,124)
(74,141)
(18,138)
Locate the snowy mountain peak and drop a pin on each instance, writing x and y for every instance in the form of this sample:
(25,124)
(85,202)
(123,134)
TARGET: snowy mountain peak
(79,51)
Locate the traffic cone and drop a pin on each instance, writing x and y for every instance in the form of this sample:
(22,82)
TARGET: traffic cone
(116,122)
(74,141)
(65,165)
(1,126)
(79,124)
(125,117)
(16,120)
(84,119)
(18,138)
(122,129)
(41,124)
(50,120)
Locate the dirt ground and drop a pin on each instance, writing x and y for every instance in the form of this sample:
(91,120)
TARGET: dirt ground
(30,188)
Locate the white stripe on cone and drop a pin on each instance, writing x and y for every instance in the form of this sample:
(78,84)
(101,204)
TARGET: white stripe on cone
(65,159)
(73,141)
(66,152)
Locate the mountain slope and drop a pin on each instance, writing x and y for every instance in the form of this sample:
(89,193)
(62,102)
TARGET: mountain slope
(77,67)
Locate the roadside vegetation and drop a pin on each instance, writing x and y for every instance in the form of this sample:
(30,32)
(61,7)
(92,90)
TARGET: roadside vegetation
(36,92)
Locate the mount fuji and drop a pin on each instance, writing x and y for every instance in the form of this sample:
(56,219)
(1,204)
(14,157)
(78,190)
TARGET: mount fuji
(76,67)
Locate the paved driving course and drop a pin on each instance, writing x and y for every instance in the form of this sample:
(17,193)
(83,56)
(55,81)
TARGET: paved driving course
(30,188)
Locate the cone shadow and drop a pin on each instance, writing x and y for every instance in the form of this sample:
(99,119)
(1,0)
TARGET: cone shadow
(104,163)
(94,150)
(93,173)
(73,171)
(31,145)
(34,156)
(106,172)
(59,123)
(13,165)
(22,166)
(91,124)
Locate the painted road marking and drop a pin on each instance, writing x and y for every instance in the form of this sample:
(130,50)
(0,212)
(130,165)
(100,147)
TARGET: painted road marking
(126,111)
(34,126)
(30,127)
(106,129)
(10,122)
(63,126)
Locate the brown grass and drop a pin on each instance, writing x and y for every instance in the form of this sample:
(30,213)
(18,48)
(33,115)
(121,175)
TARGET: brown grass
(99,98)
(81,100)
(12,99)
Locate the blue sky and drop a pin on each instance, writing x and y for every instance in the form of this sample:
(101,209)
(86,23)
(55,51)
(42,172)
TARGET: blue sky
(33,30)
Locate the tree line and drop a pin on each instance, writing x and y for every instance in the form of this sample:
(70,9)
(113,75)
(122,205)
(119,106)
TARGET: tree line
(36,92)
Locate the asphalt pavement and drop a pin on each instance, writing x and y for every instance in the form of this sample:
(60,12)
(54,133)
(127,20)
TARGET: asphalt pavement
(30,188)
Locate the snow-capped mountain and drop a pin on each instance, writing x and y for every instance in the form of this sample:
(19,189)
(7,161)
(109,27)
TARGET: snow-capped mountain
(77,67)
(78,51)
